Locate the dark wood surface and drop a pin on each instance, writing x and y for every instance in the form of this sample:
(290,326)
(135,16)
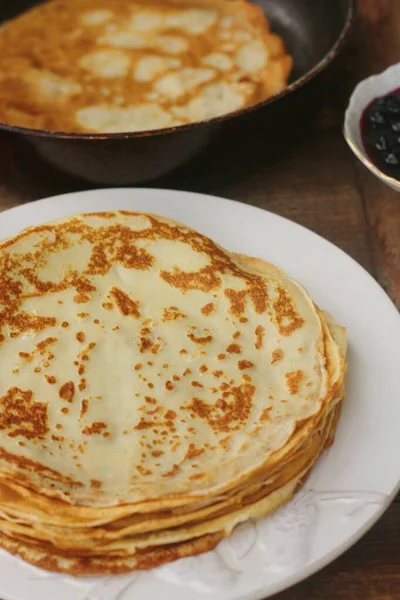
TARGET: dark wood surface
(316,181)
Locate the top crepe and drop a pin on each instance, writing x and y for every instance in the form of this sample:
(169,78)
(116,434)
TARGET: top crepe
(141,363)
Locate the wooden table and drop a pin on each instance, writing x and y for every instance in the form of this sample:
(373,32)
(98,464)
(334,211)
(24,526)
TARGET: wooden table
(318,183)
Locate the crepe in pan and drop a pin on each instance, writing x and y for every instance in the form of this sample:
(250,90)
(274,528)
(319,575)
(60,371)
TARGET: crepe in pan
(91,66)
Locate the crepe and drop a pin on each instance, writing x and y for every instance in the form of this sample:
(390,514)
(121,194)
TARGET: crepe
(155,391)
(92,66)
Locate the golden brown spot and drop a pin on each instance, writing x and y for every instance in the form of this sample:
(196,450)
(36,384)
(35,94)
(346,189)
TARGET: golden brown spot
(287,318)
(42,346)
(201,339)
(170,414)
(80,336)
(236,335)
(84,407)
(64,410)
(169,385)
(301,349)
(265,414)
(172,313)
(26,356)
(196,384)
(143,471)
(106,434)
(197,476)
(208,309)
(172,472)
(143,424)
(82,385)
(95,484)
(221,356)
(157,453)
(81,298)
(83,315)
(81,369)
(204,280)
(59,426)
(203,368)
(293,381)
(245,364)
(176,378)
(260,333)
(234,349)
(24,322)
(50,379)
(193,452)
(150,386)
(226,414)
(277,356)
(237,299)
(96,321)
(64,324)
(186,372)
(218,374)
(126,306)
(138,366)
(108,306)
(21,415)
(95,428)
(67,391)
(256,290)
(147,342)
(225,442)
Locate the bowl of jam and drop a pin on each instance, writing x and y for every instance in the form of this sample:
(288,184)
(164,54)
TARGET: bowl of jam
(372,125)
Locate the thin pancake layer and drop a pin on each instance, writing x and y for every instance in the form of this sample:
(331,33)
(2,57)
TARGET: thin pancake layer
(218,369)
(128,540)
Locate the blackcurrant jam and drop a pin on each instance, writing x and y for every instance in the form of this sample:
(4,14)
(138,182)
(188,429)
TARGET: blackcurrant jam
(380,130)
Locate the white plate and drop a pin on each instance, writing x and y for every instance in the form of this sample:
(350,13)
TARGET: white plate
(353,483)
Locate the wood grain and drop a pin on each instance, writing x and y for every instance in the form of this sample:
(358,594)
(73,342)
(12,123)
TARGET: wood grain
(314,179)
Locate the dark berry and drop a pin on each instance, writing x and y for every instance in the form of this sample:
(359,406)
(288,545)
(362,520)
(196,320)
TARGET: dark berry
(377,118)
(382,143)
(391,159)
(396,126)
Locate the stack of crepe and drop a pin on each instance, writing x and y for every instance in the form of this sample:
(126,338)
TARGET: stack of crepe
(155,391)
